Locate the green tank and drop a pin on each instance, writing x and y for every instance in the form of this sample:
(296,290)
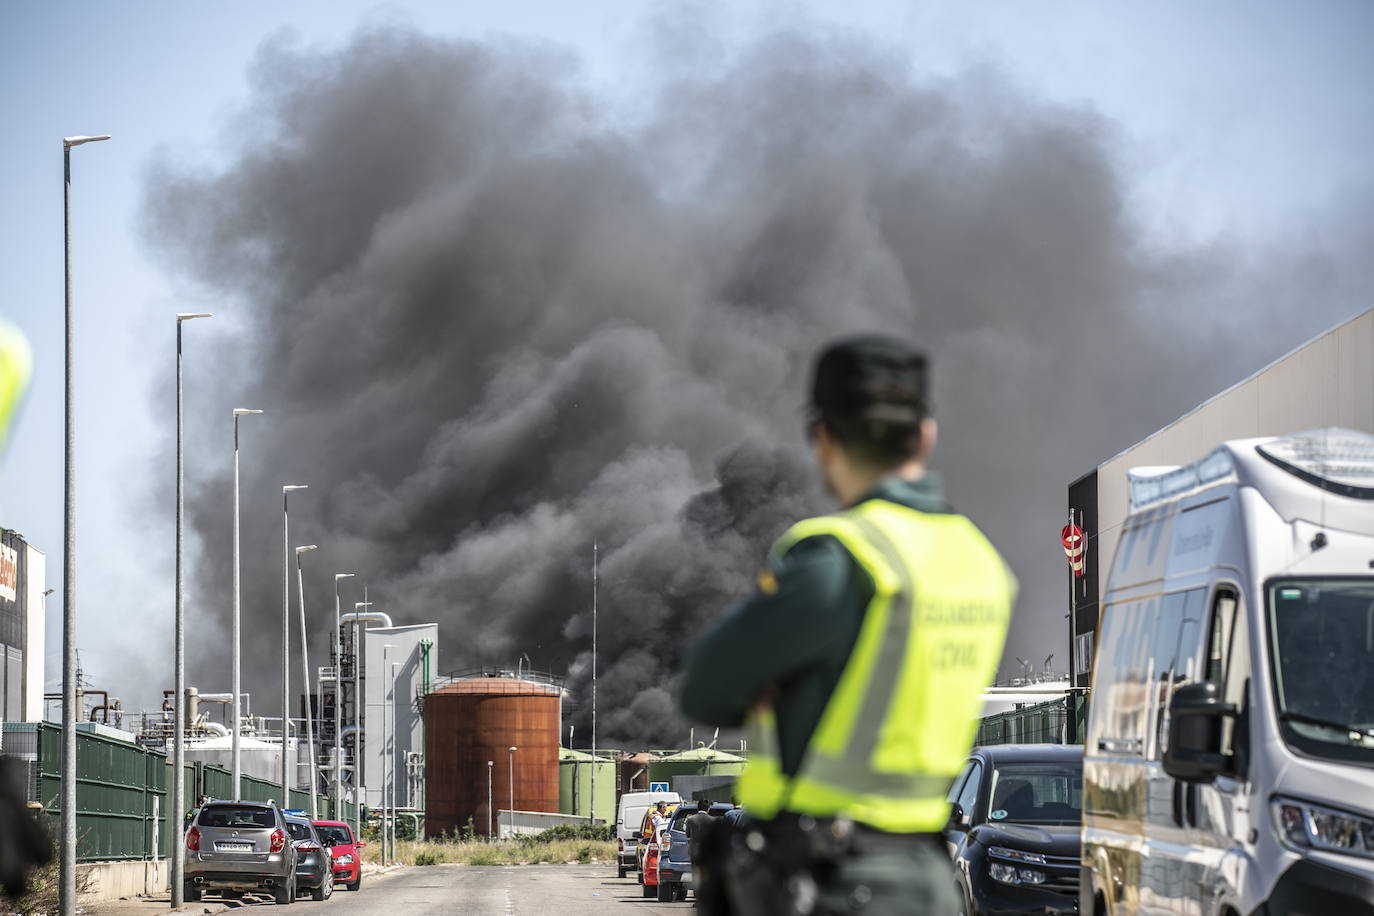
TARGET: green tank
(575,785)
(700,761)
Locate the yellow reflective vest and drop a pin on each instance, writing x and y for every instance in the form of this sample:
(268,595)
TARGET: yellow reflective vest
(902,717)
(15,365)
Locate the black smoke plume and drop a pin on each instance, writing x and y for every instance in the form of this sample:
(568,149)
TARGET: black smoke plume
(492,324)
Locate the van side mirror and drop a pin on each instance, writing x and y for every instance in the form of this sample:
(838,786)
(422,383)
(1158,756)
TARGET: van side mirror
(956,818)
(1196,714)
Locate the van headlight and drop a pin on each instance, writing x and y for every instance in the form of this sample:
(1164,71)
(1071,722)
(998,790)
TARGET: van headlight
(1303,826)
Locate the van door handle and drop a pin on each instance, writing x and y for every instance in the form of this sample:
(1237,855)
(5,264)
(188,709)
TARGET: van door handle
(1192,804)
(1178,803)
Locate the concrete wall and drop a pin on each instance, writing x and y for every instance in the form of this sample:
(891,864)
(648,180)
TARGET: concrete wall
(113,880)
(1327,382)
(403,714)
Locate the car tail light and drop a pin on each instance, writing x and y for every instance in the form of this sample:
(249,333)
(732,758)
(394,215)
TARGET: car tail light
(193,840)
(620,844)
(308,847)
(278,840)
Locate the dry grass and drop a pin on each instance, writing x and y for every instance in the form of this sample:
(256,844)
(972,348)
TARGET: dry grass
(479,852)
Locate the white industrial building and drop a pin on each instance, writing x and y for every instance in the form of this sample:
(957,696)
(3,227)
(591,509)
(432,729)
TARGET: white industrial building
(1327,382)
(23,580)
(398,669)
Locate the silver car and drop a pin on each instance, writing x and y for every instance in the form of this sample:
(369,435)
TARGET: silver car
(233,847)
(314,862)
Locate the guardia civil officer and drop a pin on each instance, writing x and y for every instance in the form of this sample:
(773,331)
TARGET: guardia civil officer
(857,665)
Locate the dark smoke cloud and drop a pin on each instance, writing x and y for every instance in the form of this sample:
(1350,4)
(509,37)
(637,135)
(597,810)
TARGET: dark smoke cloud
(491,326)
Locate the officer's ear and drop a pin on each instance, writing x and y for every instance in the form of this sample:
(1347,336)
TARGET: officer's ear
(929,432)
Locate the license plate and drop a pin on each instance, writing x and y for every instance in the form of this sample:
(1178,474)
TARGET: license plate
(227,846)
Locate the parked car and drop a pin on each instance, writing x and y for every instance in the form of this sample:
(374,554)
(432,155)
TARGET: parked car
(232,847)
(344,848)
(675,863)
(629,820)
(1013,832)
(314,865)
(648,869)
(1230,754)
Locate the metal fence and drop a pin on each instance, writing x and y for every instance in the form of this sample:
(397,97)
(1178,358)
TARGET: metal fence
(122,790)
(1059,721)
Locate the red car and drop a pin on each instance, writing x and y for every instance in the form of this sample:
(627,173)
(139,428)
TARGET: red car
(344,846)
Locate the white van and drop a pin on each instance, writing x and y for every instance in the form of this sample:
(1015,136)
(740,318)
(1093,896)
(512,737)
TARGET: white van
(1229,763)
(627,821)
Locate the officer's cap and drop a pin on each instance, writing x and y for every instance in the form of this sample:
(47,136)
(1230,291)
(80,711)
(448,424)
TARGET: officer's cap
(873,376)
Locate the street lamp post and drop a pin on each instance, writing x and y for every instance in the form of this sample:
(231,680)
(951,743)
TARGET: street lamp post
(511,774)
(305,676)
(490,764)
(286,639)
(67,860)
(338,702)
(179,653)
(236,688)
(386,715)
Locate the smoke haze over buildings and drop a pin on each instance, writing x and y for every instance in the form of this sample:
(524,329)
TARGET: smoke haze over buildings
(491,325)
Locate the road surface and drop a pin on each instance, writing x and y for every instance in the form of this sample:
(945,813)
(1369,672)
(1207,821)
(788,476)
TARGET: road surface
(464,890)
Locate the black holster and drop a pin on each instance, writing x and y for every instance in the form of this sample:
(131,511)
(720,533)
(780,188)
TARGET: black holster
(769,868)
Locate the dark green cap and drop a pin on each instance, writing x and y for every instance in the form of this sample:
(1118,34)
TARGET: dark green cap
(874,376)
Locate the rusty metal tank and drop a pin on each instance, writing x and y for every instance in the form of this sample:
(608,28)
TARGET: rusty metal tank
(634,773)
(476,720)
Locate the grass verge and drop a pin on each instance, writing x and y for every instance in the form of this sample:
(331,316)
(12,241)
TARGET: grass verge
(479,852)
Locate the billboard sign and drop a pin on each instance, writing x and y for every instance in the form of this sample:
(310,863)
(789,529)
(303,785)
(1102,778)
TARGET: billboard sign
(9,573)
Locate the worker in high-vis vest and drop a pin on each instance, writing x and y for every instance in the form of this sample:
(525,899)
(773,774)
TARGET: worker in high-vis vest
(857,666)
(16,362)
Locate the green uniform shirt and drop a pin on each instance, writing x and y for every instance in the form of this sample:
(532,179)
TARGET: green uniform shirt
(793,641)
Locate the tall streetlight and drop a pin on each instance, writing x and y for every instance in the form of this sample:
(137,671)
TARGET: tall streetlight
(236,764)
(305,676)
(286,639)
(179,662)
(67,860)
(386,715)
(338,702)
(511,773)
(359,790)
(490,764)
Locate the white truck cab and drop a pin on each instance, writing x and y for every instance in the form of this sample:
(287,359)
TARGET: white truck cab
(1229,761)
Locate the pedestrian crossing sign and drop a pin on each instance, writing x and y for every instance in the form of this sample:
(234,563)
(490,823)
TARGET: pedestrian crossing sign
(658,787)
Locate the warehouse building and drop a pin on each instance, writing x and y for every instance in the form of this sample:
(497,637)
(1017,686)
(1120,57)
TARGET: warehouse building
(1327,382)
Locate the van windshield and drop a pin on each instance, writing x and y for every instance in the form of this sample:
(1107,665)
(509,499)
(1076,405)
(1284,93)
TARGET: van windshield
(1321,634)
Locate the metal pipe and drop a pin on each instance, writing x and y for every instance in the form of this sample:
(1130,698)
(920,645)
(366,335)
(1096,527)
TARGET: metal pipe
(67,858)
(366,616)
(394,742)
(360,763)
(386,651)
(511,773)
(216,728)
(338,702)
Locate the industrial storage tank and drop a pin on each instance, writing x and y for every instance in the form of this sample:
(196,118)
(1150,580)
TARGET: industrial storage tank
(478,719)
(634,773)
(575,770)
(700,761)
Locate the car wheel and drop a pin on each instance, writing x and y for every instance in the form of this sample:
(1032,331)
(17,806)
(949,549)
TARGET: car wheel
(681,893)
(650,890)
(283,895)
(191,893)
(356,883)
(620,871)
(665,892)
(317,892)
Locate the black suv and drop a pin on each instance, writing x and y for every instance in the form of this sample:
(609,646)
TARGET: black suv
(1013,830)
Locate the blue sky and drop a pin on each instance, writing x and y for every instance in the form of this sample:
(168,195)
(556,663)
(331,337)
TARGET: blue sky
(1238,121)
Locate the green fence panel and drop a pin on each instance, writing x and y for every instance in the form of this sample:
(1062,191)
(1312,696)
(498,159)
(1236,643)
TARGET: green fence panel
(1053,722)
(217,782)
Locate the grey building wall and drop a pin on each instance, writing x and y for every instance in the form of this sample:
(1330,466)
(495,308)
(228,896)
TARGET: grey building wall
(1328,381)
(402,707)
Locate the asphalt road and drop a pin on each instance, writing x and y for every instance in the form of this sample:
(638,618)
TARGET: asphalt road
(537,890)
(465,890)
